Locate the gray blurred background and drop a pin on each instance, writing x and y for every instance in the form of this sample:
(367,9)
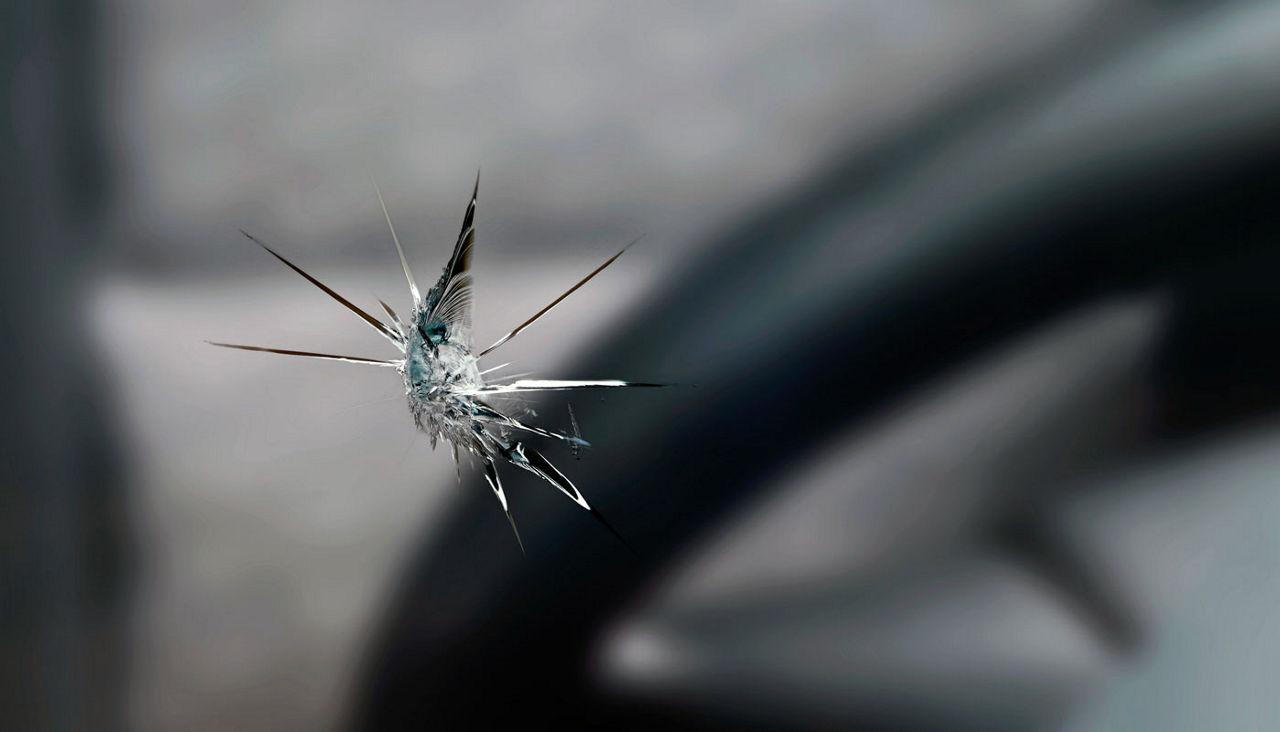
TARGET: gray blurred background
(1051,502)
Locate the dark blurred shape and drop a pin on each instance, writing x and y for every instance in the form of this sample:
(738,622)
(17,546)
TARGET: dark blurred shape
(1140,160)
(1220,361)
(63,618)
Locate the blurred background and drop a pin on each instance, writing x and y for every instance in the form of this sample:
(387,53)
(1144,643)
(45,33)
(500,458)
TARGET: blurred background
(968,308)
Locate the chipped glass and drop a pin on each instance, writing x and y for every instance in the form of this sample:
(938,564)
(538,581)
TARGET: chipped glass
(446,388)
